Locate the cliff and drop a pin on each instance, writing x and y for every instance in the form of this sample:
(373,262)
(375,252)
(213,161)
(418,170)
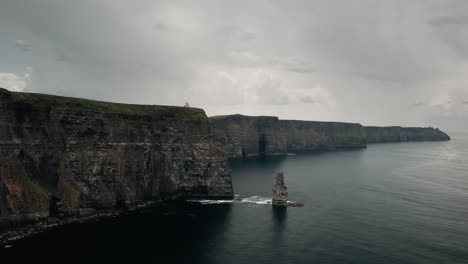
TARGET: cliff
(404,134)
(313,135)
(243,136)
(74,153)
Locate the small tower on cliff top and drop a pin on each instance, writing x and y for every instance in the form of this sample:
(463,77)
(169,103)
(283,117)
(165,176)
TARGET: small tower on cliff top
(280,191)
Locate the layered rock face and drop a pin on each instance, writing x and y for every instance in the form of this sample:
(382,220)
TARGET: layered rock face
(243,136)
(404,134)
(90,154)
(313,135)
(280,191)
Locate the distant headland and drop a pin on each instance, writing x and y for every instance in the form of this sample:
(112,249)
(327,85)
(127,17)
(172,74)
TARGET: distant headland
(244,136)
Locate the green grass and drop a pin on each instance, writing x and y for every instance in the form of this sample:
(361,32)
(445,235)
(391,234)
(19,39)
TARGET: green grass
(237,116)
(219,117)
(44,100)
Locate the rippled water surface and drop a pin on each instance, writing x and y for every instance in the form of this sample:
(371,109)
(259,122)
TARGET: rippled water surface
(389,203)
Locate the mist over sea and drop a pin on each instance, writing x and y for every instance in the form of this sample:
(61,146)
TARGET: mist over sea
(389,203)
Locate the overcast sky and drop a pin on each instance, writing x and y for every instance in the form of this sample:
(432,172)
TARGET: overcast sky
(393,62)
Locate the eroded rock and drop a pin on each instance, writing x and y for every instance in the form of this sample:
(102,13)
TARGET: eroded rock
(244,136)
(280,191)
(101,155)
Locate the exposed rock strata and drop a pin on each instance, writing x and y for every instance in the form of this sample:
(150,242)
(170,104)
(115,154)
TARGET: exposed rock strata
(91,154)
(280,191)
(404,134)
(244,136)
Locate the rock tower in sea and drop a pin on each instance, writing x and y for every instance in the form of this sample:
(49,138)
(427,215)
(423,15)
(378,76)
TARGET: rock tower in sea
(280,192)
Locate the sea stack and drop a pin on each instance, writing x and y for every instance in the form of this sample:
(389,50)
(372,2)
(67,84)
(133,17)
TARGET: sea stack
(280,192)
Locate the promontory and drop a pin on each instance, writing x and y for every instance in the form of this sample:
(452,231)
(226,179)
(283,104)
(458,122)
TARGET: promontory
(83,154)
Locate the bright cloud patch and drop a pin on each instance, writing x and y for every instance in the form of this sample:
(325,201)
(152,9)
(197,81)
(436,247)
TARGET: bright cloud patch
(14,82)
(254,86)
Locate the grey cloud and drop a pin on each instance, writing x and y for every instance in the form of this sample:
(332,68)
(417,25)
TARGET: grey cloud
(419,104)
(307,100)
(247,36)
(164,26)
(295,65)
(352,56)
(64,56)
(161,26)
(449,20)
(23,45)
(248,59)
(298,69)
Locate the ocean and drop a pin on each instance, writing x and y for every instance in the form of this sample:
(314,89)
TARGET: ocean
(388,203)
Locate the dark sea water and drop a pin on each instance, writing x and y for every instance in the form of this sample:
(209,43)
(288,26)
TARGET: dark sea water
(389,203)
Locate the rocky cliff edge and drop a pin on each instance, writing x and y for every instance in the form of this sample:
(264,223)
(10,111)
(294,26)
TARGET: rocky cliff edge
(72,153)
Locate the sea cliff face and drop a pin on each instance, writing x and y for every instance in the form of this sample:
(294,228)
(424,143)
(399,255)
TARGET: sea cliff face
(60,154)
(403,134)
(75,153)
(243,136)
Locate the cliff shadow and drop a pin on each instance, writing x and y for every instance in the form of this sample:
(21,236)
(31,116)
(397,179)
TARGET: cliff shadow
(169,233)
(262,145)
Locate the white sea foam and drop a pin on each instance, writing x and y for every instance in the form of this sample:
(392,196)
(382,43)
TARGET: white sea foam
(211,201)
(253,199)
(257,200)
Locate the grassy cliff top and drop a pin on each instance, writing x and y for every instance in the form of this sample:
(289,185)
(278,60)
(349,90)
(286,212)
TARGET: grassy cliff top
(234,116)
(398,127)
(62,102)
(239,116)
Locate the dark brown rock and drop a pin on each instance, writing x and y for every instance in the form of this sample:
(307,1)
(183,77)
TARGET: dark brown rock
(91,154)
(87,212)
(280,191)
(243,136)
(403,134)
(295,204)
